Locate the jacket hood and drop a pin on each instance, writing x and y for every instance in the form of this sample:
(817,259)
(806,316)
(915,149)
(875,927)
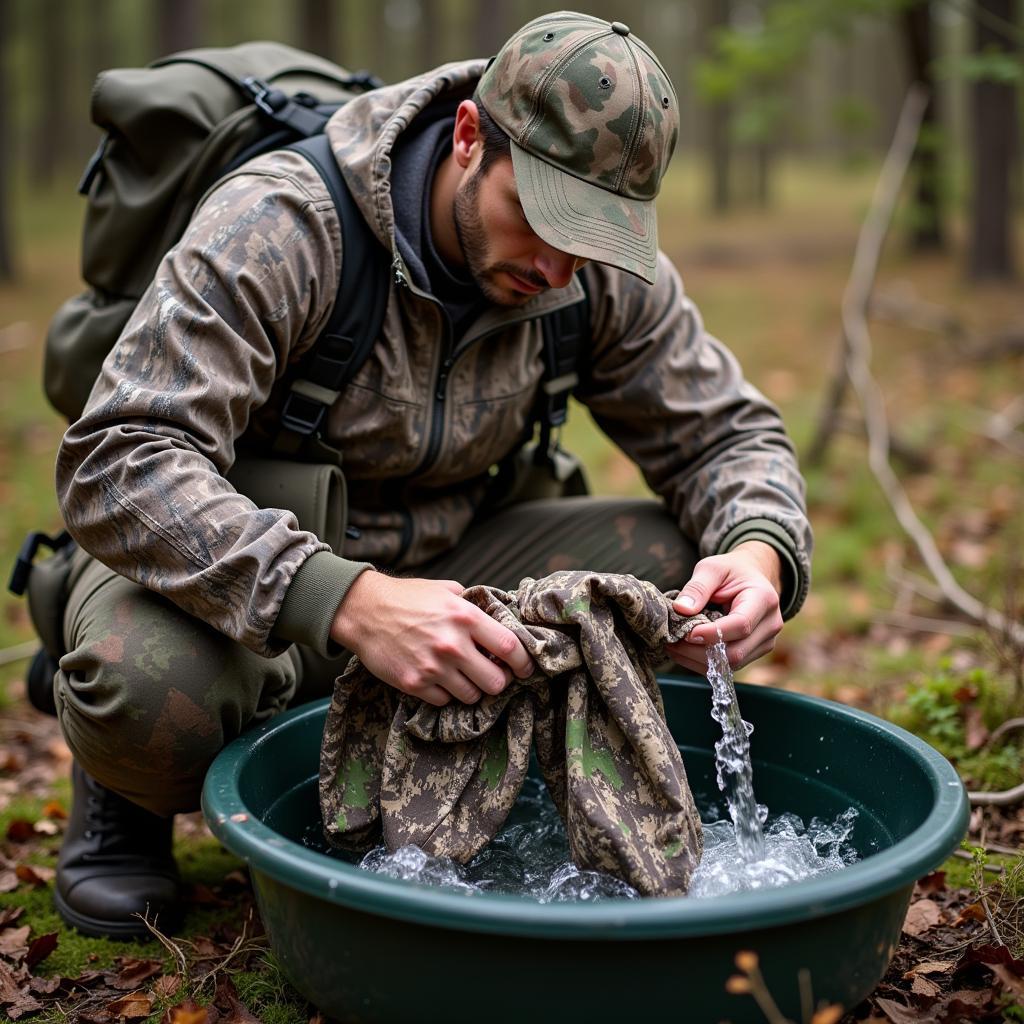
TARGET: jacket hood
(363,134)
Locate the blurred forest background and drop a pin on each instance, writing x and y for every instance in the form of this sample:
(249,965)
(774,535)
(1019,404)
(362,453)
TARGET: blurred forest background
(901,376)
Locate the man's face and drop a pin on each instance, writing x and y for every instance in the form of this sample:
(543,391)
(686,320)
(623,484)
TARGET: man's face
(509,262)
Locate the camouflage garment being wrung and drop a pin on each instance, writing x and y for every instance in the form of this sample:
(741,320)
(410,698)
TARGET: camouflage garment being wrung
(446,778)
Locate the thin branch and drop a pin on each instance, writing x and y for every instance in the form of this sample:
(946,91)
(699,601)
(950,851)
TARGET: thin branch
(972,9)
(858,355)
(19,652)
(921,624)
(1004,798)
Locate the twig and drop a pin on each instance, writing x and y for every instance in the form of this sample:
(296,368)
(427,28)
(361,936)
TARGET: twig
(996,869)
(1004,798)
(858,339)
(1008,726)
(19,652)
(921,624)
(172,947)
(991,921)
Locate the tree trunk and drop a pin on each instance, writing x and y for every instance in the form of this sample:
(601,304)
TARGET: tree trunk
(994,116)
(431,33)
(317,26)
(6,157)
(491,27)
(178,25)
(53,125)
(714,15)
(927,230)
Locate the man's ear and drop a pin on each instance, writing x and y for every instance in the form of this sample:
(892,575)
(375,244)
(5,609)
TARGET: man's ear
(466,140)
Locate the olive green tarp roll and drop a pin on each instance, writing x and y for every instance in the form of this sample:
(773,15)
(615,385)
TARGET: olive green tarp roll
(446,778)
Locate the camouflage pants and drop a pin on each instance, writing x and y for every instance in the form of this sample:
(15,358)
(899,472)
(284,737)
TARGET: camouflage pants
(148,695)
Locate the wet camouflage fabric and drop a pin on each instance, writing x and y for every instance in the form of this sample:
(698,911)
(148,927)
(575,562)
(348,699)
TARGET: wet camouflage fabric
(446,778)
(198,371)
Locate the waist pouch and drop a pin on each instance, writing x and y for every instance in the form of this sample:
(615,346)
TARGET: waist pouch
(47,593)
(315,492)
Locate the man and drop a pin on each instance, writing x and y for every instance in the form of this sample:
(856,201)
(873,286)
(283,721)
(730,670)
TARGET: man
(194,614)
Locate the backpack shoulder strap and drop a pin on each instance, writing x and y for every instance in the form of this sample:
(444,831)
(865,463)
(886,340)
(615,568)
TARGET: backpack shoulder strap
(566,334)
(355,321)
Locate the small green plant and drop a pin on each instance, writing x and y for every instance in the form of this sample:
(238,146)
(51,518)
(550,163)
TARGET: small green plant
(952,711)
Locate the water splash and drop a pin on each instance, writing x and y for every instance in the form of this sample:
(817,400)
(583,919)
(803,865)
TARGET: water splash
(732,757)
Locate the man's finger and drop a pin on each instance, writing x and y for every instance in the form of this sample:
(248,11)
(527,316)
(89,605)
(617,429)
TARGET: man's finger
(487,672)
(706,579)
(745,615)
(461,688)
(435,695)
(500,641)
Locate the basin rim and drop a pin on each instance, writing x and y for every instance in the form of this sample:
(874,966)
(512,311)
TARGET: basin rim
(876,877)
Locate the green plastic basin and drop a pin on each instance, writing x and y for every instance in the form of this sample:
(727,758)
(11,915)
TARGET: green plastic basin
(363,947)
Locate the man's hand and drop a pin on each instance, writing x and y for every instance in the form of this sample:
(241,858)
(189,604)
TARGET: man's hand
(746,582)
(422,638)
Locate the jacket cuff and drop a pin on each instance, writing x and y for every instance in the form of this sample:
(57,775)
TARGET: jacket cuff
(795,581)
(311,601)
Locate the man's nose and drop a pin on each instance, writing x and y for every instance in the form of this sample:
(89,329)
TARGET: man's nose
(556,267)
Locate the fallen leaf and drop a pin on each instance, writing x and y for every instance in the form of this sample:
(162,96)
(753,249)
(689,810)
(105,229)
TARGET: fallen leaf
(166,985)
(203,896)
(133,972)
(20,830)
(317,1018)
(9,915)
(12,939)
(55,810)
(34,874)
(930,967)
(226,999)
(972,912)
(932,883)
(1011,982)
(133,1006)
(922,986)
(40,948)
(8,881)
(921,916)
(186,1013)
(898,1013)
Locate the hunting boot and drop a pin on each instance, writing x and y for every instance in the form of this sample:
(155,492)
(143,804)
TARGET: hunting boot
(116,862)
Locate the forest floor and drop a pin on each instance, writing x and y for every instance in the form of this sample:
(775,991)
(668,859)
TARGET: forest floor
(873,634)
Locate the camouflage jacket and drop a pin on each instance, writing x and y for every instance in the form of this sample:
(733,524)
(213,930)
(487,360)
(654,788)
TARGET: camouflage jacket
(202,361)
(445,779)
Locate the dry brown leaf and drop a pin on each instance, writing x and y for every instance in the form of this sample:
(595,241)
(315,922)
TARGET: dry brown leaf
(14,939)
(922,986)
(932,883)
(54,809)
(166,985)
(133,972)
(8,881)
(930,967)
(20,830)
(134,1006)
(972,912)
(34,874)
(1013,983)
(226,1000)
(921,916)
(187,1013)
(9,915)
(40,948)
(898,1013)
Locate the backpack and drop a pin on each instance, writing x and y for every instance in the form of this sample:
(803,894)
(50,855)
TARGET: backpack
(172,130)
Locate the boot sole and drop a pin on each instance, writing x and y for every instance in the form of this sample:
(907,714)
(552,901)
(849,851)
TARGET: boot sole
(98,928)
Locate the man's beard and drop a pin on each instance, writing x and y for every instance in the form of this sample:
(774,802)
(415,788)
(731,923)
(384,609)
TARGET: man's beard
(469,228)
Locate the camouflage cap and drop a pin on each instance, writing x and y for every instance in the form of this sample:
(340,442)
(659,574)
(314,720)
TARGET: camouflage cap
(593,120)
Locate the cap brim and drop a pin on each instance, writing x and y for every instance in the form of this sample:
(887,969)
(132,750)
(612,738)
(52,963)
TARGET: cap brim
(586,220)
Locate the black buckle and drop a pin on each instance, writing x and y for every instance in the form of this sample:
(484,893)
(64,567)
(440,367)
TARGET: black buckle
(331,358)
(302,415)
(18,583)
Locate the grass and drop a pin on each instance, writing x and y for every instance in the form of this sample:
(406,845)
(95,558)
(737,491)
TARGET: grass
(769,283)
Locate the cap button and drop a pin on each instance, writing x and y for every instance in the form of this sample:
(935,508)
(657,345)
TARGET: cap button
(617,26)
